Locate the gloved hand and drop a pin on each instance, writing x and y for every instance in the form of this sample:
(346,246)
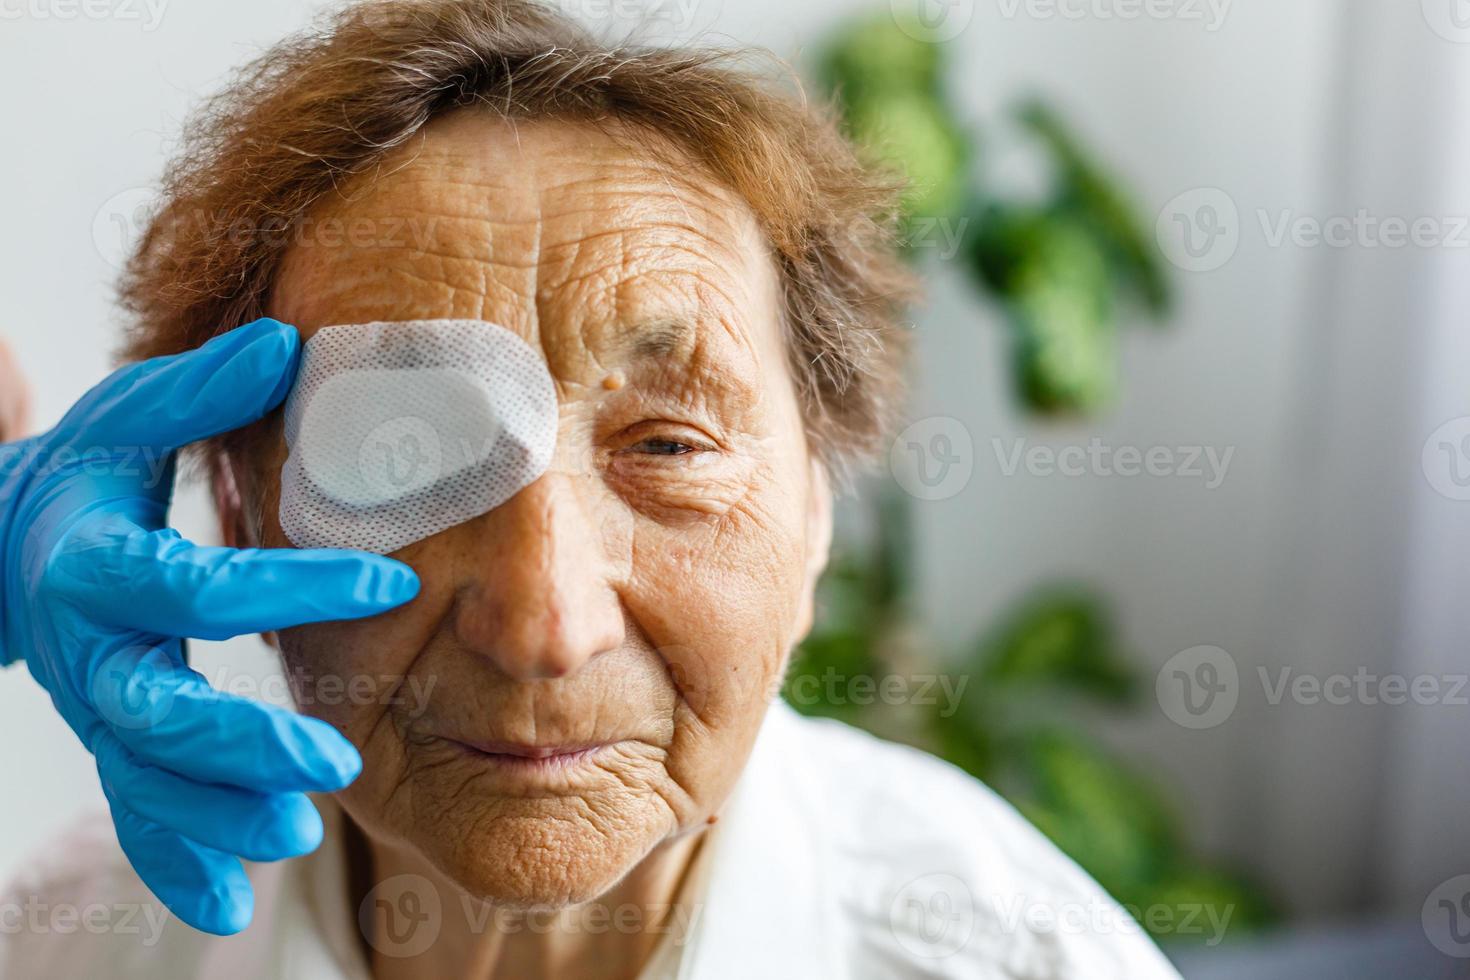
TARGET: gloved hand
(96,592)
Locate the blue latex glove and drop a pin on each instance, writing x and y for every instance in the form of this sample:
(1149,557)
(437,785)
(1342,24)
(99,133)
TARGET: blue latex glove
(96,593)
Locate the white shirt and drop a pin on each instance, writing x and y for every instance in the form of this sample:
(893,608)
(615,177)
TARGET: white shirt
(838,855)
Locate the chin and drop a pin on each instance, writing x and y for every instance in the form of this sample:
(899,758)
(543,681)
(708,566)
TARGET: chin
(522,858)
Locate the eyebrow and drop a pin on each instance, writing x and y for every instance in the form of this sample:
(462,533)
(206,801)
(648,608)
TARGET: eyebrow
(658,338)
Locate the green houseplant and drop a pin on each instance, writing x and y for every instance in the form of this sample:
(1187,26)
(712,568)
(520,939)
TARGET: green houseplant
(1062,268)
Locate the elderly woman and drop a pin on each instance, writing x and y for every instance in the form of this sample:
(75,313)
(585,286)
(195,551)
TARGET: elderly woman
(573,762)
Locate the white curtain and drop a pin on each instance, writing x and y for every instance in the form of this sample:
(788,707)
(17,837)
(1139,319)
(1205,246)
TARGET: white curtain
(1368,802)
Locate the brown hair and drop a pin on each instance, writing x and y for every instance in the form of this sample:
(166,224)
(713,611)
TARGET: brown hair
(327,105)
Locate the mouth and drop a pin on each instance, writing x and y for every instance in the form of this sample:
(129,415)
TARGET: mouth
(531,759)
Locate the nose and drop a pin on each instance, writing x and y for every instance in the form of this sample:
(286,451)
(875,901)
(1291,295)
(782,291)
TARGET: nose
(543,599)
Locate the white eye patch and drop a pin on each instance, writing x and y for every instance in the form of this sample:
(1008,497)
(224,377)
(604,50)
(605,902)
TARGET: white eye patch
(397,431)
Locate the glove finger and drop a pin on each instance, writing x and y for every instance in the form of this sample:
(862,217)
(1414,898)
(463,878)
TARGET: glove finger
(256,826)
(158,582)
(168,716)
(205,888)
(167,402)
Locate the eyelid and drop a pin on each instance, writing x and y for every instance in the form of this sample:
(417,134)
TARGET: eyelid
(667,430)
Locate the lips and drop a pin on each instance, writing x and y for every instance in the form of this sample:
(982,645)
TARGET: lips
(523,751)
(531,758)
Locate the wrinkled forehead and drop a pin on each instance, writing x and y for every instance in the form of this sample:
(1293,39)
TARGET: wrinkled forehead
(571,236)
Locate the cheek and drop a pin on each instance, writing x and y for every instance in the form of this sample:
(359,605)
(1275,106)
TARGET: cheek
(355,674)
(352,673)
(359,676)
(362,678)
(719,599)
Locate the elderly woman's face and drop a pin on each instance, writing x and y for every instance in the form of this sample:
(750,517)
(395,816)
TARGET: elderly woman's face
(599,651)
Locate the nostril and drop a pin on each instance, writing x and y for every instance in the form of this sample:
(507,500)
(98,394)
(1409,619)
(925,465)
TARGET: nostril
(553,669)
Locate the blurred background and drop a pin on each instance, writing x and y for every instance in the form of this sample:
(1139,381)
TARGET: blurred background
(1171,548)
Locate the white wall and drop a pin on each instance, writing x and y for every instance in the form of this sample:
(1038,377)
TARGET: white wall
(1297,359)
(1246,109)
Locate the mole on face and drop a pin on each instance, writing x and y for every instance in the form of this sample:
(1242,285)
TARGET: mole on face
(612,382)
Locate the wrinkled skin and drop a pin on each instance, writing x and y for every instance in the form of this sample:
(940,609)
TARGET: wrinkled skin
(642,595)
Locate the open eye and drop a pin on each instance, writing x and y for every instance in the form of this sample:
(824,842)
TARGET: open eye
(662,447)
